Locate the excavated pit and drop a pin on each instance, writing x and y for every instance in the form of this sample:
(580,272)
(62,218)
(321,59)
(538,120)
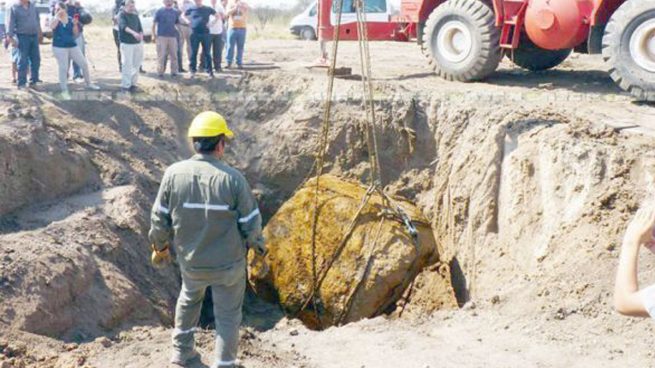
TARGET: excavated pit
(526,205)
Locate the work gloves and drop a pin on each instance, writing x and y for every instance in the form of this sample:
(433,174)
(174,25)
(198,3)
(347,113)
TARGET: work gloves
(258,244)
(161,258)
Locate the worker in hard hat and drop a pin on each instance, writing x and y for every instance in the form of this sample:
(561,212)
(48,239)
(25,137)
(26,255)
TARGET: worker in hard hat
(206,210)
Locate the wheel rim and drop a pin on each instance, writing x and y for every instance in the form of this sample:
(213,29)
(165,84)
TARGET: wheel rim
(454,41)
(642,45)
(307,34)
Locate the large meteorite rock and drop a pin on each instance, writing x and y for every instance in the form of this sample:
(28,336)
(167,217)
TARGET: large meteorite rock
(376,265)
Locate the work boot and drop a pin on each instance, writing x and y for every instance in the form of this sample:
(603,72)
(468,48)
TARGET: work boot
(182,359)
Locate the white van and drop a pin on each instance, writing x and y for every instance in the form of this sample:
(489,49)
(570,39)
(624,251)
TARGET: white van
(44,17)
(147,18)
(304,24)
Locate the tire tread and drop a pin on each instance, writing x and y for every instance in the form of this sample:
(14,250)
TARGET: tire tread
(490,54)
(611,49)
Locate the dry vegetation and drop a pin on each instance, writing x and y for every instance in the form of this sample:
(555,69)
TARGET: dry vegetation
(265,21)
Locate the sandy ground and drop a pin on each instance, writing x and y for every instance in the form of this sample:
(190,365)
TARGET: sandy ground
(484,333)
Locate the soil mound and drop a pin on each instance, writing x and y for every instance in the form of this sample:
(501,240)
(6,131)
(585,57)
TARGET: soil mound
(371,272)
(35,164)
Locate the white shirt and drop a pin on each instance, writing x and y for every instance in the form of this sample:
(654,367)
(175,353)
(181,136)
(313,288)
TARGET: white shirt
(217,28)
(648,298)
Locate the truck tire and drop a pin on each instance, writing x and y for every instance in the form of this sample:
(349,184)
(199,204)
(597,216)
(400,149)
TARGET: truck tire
(307,34)
(629,48)
(462,40)
(532,57)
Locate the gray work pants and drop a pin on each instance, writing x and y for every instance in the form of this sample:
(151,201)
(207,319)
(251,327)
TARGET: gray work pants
(64,56)
(228,289)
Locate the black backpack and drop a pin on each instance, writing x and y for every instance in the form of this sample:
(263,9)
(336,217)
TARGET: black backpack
(85,17)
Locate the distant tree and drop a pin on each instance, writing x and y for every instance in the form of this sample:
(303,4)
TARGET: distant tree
(302,5)
(264,15)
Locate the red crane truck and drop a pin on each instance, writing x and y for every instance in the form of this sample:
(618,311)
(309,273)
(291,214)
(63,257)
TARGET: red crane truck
(466,39)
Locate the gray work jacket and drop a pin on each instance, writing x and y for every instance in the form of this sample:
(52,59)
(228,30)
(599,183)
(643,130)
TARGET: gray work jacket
(205,208)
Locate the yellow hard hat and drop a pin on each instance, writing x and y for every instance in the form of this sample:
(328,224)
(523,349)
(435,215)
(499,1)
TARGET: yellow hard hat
(209,124)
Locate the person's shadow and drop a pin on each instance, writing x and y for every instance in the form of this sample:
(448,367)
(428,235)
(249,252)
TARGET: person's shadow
(196,364)
(257,313)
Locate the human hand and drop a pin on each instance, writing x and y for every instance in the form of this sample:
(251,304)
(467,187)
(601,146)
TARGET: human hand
(640,229)
(160,259)
(258,245)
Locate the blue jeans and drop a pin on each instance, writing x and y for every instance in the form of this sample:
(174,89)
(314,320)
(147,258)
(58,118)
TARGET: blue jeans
(236,37)
(77,72)
(198,39)
(28,55)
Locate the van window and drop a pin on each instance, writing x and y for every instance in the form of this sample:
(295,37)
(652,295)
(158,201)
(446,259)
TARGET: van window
(312,11)
(375,6)
(370,6)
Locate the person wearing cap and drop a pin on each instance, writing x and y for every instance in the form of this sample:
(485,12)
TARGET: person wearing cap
(206,211)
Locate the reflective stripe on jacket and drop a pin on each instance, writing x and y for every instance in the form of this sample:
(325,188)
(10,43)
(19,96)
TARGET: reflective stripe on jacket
(205,208)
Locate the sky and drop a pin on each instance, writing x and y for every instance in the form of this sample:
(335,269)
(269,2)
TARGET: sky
(151,3)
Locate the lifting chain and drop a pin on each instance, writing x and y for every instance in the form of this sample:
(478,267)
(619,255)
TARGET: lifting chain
(375,185)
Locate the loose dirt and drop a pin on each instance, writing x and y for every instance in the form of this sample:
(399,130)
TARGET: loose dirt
(527,180)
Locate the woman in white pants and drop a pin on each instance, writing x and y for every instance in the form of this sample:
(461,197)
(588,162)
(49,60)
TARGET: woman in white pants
(64,31)
(130,34)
